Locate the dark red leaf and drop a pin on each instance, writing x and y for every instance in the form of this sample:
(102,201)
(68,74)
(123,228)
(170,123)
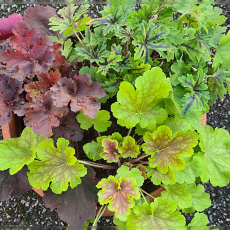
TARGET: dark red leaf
(7,24)
(30,52)
(42,115)
(69,128)
(38,17)
(13,185)
(75,206)
(9,91)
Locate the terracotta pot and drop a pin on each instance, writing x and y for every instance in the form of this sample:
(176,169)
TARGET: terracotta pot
(14,129)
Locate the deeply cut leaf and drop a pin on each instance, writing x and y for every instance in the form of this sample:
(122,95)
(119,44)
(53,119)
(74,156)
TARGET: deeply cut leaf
(55,165)
(140,106)
(19,151)
(166,150)
(119,194)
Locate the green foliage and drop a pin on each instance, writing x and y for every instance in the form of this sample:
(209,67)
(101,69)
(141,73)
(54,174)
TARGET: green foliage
(56,165)
(19,151)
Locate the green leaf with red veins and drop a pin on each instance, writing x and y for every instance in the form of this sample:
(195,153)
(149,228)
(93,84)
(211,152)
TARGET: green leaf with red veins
(215,156)
(80,92)
(129,148)
(55,165)
(179,194)
(110,150)
(143,170)
(19,151)
(141,105)
(155,214)
(124,171)
(119,194)
(157,177)
(166,150)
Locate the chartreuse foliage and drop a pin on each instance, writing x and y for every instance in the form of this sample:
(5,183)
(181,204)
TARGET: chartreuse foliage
(156,62)
(20,151)
(141,105)
(55,165)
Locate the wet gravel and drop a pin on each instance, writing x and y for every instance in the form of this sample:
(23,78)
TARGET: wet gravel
(29,210)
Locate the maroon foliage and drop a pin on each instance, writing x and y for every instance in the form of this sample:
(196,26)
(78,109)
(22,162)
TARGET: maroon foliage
(7,24)
(75,206)
(80,93)
(69,128)
(13,185)
(9,94)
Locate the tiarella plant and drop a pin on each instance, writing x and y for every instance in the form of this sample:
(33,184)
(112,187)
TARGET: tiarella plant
(154,71)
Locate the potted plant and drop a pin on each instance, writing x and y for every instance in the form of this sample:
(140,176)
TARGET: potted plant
(110,109)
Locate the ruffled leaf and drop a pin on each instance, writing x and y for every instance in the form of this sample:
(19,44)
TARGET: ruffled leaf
(166,150)
(56,165)
(140,105)
(100,121)
(119,194)
(93,150)
(19,151)
(199,219)
(158,213)
(129,148)
(215,156)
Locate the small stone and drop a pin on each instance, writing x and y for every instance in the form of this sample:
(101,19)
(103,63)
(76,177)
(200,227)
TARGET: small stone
(27,204)
(23,201)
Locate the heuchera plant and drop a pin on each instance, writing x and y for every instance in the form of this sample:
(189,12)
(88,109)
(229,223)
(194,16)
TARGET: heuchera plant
(158,69)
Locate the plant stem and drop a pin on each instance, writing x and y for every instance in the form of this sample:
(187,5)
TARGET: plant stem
(81,34)
(147,193)
(129,131)
(99,214)
(99,134)
(155,14)
(93,164)
(143,195)
(139,158)
(79,40)
(139,141)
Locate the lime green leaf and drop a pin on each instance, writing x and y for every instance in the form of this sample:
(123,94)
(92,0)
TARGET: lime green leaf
(119,194)
(140,106)
(179,194)
(166,150)
(158,213)
(157,177)
(93,150)
(215,156)
(199,219)
(56,165)
(119,223)
(81,24)
(222,52)
(193,169)
(16,152)
(67,47)
(100,121)
(200,199)
(129,148)
(134,173)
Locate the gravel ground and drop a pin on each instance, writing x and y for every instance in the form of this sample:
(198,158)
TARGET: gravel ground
(29,210)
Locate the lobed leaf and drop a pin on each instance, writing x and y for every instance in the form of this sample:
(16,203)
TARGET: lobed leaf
(129,148)
(140,105)
(155,214)
(55,165)
(166,151)
(19,151)
(119,194)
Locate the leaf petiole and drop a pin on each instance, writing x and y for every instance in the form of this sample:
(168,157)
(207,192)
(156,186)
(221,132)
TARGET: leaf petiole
(142,195)
(93,164)
(99,214)
(147,193)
